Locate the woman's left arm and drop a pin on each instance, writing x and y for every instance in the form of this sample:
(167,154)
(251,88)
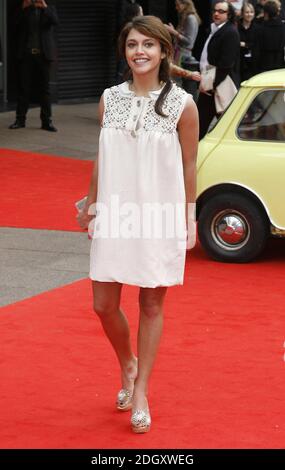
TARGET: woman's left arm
(190,32)
(188,131)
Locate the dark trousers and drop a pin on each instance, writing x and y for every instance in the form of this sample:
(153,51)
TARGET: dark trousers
(207,111)
(33,65)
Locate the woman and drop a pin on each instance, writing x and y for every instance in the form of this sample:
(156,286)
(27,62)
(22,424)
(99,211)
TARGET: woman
(186,33)
(248,31)
(147,160)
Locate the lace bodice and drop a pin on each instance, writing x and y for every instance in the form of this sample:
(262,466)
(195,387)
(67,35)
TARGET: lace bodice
(125,110)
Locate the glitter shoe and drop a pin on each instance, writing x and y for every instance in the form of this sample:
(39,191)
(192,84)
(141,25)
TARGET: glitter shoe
(124,400)
(140,421)
(125,395)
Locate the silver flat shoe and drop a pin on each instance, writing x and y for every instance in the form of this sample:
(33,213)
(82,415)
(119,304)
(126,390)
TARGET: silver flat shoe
(140,421)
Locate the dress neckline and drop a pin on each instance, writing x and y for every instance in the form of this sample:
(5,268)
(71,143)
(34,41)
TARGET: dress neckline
(125,90)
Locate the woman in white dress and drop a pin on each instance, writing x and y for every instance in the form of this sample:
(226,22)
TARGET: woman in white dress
(143,191)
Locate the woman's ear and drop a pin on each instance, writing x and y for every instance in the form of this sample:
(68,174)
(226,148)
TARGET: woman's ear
(163,55)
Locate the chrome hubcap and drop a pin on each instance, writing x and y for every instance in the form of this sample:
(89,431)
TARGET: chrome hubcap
(230,230)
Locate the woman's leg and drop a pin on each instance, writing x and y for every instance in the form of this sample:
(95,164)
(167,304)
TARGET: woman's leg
(150,329)
(107,296)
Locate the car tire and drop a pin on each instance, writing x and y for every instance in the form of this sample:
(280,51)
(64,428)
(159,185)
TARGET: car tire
(232,228)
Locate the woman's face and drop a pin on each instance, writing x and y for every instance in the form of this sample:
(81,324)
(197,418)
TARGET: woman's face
(179,6)
(143,53)
(248,14)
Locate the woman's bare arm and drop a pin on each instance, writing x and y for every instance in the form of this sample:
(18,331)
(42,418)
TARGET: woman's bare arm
(83,218)
(188,131)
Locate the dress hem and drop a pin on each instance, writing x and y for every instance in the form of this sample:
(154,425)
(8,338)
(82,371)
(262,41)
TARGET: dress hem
(177,283)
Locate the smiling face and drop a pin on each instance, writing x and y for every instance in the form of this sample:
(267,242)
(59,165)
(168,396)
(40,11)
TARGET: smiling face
(248,13)
(143,53)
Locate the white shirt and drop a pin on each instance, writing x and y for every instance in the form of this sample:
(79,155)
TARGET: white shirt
(204,56)
(238,4)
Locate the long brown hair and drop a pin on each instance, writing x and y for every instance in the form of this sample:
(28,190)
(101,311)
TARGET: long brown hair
(188,10)
(152,27)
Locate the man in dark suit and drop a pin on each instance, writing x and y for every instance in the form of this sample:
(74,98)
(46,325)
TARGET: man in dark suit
(36,51)
(270,39)
(282,13)
(222,50)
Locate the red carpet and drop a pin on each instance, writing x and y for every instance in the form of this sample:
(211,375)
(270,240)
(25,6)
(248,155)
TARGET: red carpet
(218,382)
(39,190)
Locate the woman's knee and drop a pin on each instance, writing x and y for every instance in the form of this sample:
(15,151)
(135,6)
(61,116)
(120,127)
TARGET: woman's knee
(150,308)
(151,301)
(104,307)
(106,298)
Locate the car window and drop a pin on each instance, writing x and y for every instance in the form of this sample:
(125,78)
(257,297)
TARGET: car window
(216,119)
(265,117)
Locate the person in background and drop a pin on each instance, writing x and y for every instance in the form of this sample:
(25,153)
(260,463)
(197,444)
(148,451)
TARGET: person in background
(129,9)
(282,13)
(184,38)
(221,50)
(248,31)
(237,4)
(259,10)
(271,38)
(186,33)
(259,13)
(36,51)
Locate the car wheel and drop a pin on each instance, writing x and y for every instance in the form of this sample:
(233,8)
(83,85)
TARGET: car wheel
(232,228)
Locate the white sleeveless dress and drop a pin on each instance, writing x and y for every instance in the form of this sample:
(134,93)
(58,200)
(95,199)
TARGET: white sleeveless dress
(140,232)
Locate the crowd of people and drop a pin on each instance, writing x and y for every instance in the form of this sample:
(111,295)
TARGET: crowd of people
(245,39)
(260,25)
(262,37)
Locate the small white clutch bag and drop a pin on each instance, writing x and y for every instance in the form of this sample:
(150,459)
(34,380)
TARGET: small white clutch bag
(81,204)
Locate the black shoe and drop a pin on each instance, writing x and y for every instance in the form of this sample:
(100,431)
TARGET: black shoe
(48,126)
(17,125)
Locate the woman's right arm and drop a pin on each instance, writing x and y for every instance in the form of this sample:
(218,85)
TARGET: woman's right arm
(83,218)
(177,71)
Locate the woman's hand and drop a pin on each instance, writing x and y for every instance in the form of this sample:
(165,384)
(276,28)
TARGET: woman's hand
(171,29)
(191,225)
(84,219)
(191,235)
(196,76)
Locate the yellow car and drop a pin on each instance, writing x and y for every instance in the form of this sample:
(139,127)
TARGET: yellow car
(241,172)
